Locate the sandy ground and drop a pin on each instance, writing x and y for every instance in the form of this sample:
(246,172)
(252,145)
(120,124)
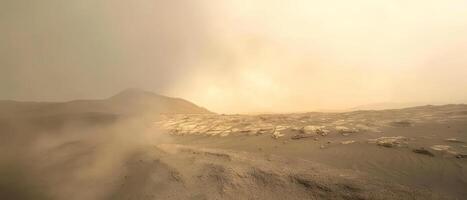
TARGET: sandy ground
(416,153)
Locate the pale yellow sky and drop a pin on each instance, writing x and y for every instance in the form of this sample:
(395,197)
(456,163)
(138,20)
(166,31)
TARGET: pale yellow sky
(279,56)
(237,56)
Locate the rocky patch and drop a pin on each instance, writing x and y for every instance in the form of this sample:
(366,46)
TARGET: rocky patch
(396,141)
(423,151)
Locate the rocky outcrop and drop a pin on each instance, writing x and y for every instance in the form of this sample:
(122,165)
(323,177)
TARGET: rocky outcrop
(454,140)
(314,130)
(348,142)
(423,151)
(345,130)
(395,141)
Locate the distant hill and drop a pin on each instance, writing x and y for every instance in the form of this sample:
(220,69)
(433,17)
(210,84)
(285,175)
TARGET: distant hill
(387,105)
(127,102)
(32,117)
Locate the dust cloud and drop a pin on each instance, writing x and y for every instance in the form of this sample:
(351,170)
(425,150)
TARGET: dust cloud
(75,161)
(237,57)
(262,56)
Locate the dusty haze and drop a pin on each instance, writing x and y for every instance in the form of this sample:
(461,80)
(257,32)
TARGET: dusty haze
(237,56)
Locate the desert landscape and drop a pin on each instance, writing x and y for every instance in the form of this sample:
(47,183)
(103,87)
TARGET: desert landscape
(64,151)
(233,100)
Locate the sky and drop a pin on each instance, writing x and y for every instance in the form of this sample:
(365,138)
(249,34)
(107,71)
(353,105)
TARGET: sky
(237,56)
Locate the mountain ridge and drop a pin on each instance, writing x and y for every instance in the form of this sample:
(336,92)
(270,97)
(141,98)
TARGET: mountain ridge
(126,102)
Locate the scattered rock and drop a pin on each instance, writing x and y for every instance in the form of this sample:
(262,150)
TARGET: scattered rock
(424,152)
(301,136)
(395,141)
(219,130)
(324,133)
(348,142)
(277,134)
(440,147)
(345,131)
(311,131)
(454,140)
(295,128)
(318,130)
(277,131)
(447,149)
(225,133)
(265,131)
(213,132)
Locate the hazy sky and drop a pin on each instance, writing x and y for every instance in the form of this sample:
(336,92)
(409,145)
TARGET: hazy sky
(237,56)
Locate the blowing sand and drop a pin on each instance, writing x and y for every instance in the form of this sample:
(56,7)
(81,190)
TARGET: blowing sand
(414,153)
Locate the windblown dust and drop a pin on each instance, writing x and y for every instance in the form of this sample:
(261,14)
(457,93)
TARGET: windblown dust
(74,162)
(210,156)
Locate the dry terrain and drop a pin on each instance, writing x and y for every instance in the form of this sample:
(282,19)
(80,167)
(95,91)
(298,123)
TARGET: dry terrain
(65,151)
